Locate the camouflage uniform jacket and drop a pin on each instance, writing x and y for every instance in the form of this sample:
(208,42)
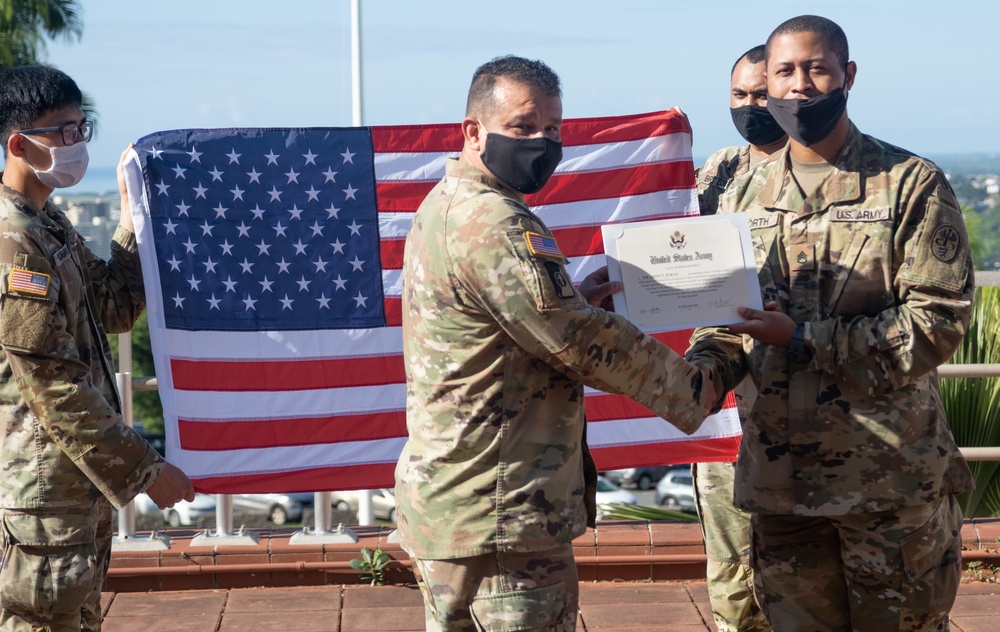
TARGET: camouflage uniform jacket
(713,177)
(498,345)
(63,442)
(877,268)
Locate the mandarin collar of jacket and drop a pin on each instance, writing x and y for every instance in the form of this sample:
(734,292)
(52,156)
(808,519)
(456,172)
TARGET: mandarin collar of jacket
(843,185)
(53,219)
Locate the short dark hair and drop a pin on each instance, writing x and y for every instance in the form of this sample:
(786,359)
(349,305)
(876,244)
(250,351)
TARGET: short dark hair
(27,93)
(530,72)
(753,56)
(834,36)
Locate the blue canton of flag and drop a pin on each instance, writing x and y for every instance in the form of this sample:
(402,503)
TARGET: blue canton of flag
(262,229)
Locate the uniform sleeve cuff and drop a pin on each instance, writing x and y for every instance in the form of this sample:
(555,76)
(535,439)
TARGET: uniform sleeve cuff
(126,239)
(145,472)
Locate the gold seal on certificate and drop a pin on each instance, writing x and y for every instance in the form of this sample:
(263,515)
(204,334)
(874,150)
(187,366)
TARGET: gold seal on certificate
(683,273)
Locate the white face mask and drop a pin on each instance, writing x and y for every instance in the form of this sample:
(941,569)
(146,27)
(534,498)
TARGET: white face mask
(69,163)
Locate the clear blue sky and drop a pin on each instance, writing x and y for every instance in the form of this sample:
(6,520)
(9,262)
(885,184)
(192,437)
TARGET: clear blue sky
(926,70)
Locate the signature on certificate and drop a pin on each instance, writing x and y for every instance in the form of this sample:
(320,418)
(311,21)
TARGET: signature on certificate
(650,310)
(721,302)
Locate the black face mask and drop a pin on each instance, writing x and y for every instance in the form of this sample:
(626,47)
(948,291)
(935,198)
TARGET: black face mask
(809,120)
(756,125)
(523,164)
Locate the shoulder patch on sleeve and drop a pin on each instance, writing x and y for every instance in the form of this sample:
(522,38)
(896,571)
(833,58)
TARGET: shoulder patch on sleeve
(543,246)
(28,282)
(945,243)
(545,276)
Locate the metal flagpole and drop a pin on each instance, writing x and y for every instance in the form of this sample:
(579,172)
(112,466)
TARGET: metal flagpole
(364,496)
(323,513)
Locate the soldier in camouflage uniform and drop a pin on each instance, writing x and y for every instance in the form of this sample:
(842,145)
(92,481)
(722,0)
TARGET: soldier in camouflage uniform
(64,448)
(726,529)
(498,346)
(847,464)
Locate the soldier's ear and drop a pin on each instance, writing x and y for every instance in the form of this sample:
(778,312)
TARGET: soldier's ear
(15,145)
(474,134)
(850,72)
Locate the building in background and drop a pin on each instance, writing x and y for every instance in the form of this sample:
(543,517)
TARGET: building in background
(95,217)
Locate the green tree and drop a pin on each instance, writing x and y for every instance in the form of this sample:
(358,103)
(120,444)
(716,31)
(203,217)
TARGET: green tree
(146,406)
(973,403)
(26,24)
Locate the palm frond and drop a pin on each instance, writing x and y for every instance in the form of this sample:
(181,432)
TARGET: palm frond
(973,404)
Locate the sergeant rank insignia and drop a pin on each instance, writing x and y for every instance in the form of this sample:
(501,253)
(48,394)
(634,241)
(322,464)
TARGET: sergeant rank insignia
(29,282)
(542,246)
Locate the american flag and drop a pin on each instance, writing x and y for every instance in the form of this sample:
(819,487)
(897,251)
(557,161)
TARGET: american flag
(27,281)
(272,260)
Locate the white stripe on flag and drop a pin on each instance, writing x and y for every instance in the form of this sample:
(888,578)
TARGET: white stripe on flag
(655,430)
(235,345)
(288,459)
(429,166)
(222,406)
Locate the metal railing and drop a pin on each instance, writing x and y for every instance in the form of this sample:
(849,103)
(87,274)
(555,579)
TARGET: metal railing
(224,534)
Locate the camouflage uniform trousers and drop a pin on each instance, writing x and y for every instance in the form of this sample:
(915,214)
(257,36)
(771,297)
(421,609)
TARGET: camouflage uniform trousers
(51,579)
(726,531)
(501,592)
(881,571)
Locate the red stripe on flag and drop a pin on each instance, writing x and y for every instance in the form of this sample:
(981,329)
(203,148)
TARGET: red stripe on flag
(573,242)
(620,129)
(250,434)
(348,477)
(579,241)
(585,131)
(391,253)
(406,196)
(422,138)
(401,196)
(666,453)
(285,375)
(607,407)
(393,311)
(612,183)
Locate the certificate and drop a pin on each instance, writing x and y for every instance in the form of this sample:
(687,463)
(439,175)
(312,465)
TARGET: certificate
(683,273)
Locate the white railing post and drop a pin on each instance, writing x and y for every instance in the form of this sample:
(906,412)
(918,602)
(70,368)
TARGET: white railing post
(224,535)
(126,540)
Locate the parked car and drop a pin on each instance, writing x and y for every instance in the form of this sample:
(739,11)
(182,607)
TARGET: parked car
(676,490)
(184,513)
(608,492)
(279,508)
(383,503)
(639,477)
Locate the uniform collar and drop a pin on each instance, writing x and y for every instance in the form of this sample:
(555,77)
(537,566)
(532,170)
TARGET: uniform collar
(842,185)
(458,169)
(18,198)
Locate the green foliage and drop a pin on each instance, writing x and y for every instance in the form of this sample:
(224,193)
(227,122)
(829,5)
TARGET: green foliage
(372,565)
(146,406)
(973,404)
(979,572)
(974,225)
(25,25)
(989,239)
(629,511)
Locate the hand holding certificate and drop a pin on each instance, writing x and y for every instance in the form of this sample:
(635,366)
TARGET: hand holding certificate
(683,273)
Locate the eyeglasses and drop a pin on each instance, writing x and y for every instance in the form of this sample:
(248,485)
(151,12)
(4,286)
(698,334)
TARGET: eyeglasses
(71,132)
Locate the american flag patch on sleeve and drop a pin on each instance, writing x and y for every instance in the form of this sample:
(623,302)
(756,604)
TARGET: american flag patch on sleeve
(542,246)
(28,281)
